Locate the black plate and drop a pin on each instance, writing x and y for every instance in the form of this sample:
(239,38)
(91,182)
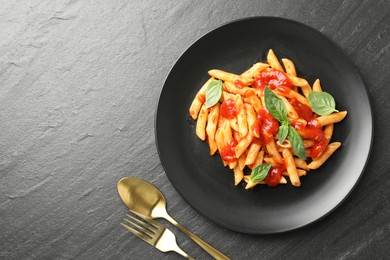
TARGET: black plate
(202,180)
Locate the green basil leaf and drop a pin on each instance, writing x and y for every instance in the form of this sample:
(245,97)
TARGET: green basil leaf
(282,132)
(297,143)
(322,103)
(213,93)
(275,105)
(260,172)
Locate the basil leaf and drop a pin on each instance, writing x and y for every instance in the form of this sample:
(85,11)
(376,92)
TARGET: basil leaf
(322,103)
(282,132)
(213,93)
(275,105)
(296,142)
(260,172)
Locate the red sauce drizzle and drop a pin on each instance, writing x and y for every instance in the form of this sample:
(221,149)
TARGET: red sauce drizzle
(256,140)
(249,93)
(304,111)
(283,90)
(265,126)
(228,153)
(319,147)
(272,78)
(202,98)
(312,130)
(239,83)
(228,109)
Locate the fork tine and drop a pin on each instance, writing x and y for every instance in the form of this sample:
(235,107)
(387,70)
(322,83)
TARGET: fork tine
(148,223)
(142,226)
(144,237)
(151,221)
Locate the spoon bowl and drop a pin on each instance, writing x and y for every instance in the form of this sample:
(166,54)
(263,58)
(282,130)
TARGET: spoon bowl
(142,197)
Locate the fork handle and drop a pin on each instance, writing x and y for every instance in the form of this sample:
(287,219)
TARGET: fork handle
(184,254)
(209,249)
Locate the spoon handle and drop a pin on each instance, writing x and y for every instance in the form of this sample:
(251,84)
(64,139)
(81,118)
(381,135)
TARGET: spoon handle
(209,249)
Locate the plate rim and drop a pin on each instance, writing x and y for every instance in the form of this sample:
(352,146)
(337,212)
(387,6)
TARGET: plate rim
(353,67)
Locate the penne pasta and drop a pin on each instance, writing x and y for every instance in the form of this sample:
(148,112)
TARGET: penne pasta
(308,143)
(253,151)
(328,131)
(227,95)
(289,67)
(213,146)
(232,165)
(306,89)
(252,120)
(220,143)
(241,161)
(291,113)
(299,163)
(233,123)
(221,121)
(255,70)
(238,175)
(246,118)
(201,123)
(273,60)
(254,100)
(242,145)
(271,160)
(232,88)
(330,149)
(250,184)
(259,159)
(299,171)
(293,94)
(317,86)
(291,168)
(299,82)
(241,117)
(199,100)
(226,133)
(212,121)
(332,118)
(230,77)
(271,148)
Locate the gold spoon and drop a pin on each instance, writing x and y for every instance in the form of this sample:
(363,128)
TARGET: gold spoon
(142,197)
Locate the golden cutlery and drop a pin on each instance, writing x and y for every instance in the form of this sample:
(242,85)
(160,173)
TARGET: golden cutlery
(144,198)
(153,233)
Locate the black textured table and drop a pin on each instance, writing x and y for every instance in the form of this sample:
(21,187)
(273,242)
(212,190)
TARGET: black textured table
(79,84)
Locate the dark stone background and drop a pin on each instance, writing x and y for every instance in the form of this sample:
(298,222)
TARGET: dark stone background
(79,83)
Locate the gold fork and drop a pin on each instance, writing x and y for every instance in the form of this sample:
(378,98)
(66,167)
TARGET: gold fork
(153,233)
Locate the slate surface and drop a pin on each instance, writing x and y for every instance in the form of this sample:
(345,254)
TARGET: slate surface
(79,83)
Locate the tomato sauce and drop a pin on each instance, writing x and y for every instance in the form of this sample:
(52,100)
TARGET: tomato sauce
(239,83)
(312,130)
(202,98)
(274,175)
(228,153)
(283,90)
(318,147)
(249,93)
(265,126)
(304,111)
(256,140)
(228,109)
(272,78)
